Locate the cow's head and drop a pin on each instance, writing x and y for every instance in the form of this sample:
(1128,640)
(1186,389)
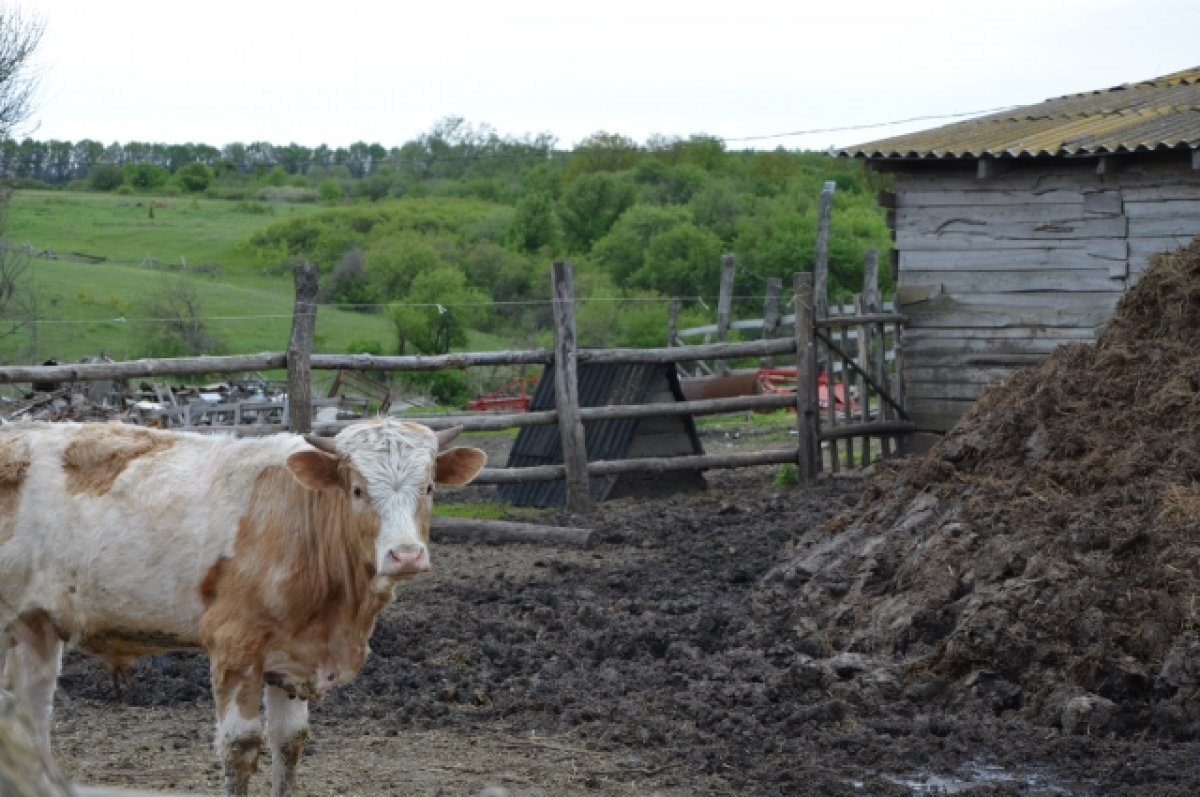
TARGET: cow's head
(388,470)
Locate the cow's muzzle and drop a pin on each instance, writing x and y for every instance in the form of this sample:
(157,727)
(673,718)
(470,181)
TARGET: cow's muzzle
(404,560)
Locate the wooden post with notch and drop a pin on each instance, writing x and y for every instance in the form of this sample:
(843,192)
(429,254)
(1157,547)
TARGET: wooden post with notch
(725,306)
(566,390)
(299,352)
(808,457)
(770,315)
(821,255)
(673,323)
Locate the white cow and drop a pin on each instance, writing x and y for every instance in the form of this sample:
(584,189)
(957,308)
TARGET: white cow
(274,555)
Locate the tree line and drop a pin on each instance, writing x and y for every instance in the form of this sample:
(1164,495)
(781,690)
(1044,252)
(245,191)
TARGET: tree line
(449,150)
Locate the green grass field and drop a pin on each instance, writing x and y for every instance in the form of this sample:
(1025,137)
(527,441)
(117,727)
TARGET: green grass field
(87,308)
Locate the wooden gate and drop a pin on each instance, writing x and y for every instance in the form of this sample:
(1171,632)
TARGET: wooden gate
(859,393)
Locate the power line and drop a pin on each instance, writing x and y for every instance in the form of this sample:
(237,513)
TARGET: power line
(394,155)
(927,118)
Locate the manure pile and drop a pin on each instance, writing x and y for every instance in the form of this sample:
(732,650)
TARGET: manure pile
(1043,560)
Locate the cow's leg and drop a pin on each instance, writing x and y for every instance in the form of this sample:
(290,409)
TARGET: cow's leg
(287,730)
(31,669)
(236,692)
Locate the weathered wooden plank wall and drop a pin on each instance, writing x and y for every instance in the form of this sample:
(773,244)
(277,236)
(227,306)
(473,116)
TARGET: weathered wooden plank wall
(994,273)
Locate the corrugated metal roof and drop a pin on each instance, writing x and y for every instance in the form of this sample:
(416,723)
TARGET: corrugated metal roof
(601,385)
(1162,113)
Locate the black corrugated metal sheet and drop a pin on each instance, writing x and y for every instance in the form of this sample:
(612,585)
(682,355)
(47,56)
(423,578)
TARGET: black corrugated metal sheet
(602,385)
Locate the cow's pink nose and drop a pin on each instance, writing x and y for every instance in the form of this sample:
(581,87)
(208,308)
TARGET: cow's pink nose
(409,559)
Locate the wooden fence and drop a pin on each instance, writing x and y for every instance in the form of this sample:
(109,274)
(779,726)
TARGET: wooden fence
(881,413)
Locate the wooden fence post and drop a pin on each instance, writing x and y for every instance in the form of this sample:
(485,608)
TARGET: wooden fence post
(808,457)
(566,390)
(873,304)
(725,305)
(673,323)
(821,255)
(299,352)
(770,314)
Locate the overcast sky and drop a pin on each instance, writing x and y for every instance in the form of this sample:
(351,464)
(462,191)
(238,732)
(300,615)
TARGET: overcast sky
(749,71)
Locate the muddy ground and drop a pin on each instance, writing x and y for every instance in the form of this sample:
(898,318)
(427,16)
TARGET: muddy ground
(652,663)
(1016,613)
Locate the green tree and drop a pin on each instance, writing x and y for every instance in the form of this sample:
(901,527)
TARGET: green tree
(535,226)
(664,184)
(774,239)
(622,252)
(175,325)
(717,207)
(329,190)
(591,205)
(19,39)
(194,178)
(348,282)
(681,261)
(276,176)
(396,262)
(145,176)
(602,152)
(434,316)
(631,318)
(506,275)
(105,177)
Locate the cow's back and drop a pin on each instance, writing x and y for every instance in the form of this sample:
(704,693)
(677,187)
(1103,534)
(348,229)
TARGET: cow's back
(110,528)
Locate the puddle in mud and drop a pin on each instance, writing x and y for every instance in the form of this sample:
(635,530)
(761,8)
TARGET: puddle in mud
(973,775)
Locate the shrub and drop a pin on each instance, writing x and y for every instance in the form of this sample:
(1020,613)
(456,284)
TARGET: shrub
(448,388)
(329,191)
(348,282)
(194,178)
(105,177)
(145,176)
(253,208)
(287,193)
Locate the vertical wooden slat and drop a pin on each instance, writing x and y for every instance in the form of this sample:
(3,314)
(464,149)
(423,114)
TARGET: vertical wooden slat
(299,352)
(845,381)
(808,458)
(898,378)
(566,389)
(864,390)
(725,306)
(770,315)
(873,303)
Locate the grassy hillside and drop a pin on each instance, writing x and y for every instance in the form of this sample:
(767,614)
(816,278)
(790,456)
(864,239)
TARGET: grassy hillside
(80,304)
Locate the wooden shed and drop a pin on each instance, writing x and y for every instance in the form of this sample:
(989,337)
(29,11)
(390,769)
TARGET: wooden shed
(1018,231)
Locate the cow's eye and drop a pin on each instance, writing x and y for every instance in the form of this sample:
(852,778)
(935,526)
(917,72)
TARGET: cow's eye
(429,490)
(358,492)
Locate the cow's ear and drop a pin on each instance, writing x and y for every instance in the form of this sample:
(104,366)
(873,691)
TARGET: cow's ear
(459,465)
(314,469)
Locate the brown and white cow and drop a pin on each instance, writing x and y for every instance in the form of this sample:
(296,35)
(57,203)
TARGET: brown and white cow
(274,555)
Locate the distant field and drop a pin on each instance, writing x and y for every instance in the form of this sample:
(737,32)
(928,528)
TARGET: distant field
(81,304)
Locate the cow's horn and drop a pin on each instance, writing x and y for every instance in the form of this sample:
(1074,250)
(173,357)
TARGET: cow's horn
(321,443)
(445,436)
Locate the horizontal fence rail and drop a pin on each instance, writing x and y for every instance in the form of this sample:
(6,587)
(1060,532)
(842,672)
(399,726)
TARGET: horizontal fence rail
(878,415)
